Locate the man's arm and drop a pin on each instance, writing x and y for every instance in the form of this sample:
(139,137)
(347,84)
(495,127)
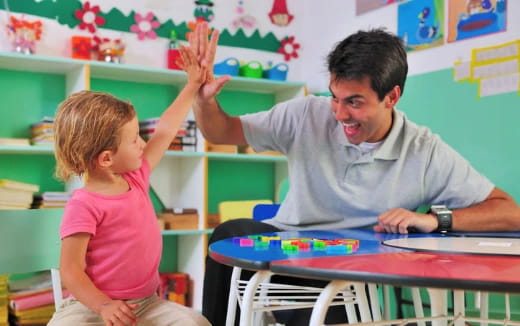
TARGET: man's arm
(216,125)
(498,212)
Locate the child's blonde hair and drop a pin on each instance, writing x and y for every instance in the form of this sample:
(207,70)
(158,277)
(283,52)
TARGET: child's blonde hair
(86,124)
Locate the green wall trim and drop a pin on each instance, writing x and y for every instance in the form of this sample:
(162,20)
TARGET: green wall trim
(485,131)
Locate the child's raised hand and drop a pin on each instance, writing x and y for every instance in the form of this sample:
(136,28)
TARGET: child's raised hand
(118,313)
(197,72)
(205,51)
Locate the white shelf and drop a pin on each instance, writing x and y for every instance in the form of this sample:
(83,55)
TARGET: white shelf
(141,74)
(48,150)
(185,232)
(36,63)
(181,178)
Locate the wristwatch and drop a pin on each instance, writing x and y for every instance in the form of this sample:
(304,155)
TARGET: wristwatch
(443,215)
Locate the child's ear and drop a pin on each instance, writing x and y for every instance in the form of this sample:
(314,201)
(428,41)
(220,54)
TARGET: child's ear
(104,159)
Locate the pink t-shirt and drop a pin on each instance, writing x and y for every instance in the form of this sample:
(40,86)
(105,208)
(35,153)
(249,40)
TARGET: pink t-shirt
(124,252)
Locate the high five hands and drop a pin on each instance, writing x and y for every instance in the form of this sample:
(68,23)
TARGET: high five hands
(204,51)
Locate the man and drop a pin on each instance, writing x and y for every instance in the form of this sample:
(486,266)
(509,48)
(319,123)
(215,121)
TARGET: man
(354,160)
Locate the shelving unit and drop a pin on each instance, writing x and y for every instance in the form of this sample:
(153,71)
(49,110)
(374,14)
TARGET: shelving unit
(32,87)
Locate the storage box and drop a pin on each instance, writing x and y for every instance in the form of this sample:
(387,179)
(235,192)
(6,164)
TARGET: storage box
(180,221)
(222,148)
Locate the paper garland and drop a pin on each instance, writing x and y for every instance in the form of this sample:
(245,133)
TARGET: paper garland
(65,12)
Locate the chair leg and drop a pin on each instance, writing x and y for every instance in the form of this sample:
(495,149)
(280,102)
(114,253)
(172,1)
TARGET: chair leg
(323,302)
(249,295)
(417,305)
(362,302)
(56,287)
(459,305)
(439,307)
(386,302)
(374,302)
(233,297)
(484,307)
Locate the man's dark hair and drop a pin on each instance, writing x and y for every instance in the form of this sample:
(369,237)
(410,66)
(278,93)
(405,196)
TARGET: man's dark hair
(376,54)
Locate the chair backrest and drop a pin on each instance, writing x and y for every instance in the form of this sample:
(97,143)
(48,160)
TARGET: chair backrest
(29,242)
(265,211)
(229,210)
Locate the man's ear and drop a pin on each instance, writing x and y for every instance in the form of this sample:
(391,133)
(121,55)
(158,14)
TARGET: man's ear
(104,159)
(393,97)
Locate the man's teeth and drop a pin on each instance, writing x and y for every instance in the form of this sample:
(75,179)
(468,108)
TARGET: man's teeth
(350,125)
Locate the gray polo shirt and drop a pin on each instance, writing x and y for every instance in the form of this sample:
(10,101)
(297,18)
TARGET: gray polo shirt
(334,185)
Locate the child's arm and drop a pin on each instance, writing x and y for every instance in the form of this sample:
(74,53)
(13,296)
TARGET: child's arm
(176,113)
(77,282)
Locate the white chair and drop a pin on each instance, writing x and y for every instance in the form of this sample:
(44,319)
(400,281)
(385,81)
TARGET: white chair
(30,242)
(258,295)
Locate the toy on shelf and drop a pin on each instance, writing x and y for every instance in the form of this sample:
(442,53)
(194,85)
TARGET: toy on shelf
(174,56)
(109,50)
(24,34)
(229,66)
(252,69)
(277,72)
(81,47)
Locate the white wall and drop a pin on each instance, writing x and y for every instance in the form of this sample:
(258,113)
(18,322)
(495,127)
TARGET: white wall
(324,30)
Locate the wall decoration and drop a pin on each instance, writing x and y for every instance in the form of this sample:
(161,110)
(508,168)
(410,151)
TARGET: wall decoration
(145,26)
(203,10)
(279,14)
(288,48)
(63,12)
(243,20)
(496,69)
(421,24)
(24,34)
(472,18)
(89,18)
(363,6)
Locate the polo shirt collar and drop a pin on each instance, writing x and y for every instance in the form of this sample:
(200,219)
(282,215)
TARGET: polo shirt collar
(390,149)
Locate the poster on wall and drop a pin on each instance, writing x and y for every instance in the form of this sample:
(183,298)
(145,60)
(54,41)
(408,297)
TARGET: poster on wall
(473,18)
(363,6)
(420,24)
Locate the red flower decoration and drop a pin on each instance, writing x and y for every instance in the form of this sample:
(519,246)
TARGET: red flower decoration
(89,17)
(288,48)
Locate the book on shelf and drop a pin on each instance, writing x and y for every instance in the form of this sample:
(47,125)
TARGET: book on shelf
(42,132)
(14,206)
(15,196)
(185,140)
(33,316)
(17,185)
(33,283)
(51,199)
(29,301)
(15,141)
